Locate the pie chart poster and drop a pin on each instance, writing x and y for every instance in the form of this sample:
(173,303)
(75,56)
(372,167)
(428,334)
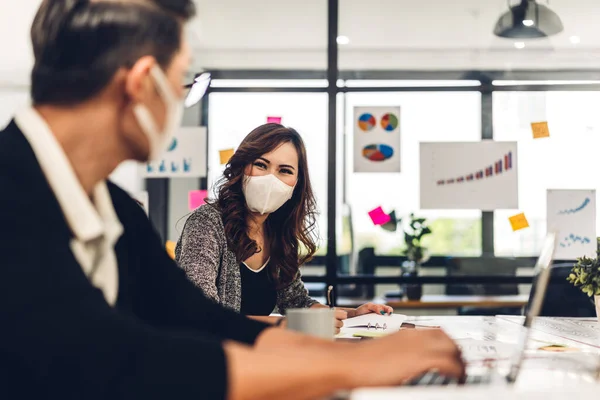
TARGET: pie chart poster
(376,139)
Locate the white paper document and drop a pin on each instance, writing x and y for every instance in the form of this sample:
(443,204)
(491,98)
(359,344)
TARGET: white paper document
(473,349)
(469,175)
(377,144)
(373,323)
(572,214)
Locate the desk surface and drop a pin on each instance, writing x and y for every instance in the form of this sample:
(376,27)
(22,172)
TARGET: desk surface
(436,301)
(445,301)
(496,338)
(349,302)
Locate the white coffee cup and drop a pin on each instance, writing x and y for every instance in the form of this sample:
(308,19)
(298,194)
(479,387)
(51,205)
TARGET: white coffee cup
(319,322)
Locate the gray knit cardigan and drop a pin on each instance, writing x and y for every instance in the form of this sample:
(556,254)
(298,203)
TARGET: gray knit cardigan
(203,253)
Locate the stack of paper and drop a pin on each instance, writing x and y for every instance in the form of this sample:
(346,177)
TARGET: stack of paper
(371,325)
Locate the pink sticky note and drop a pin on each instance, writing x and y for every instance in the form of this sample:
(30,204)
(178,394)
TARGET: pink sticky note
(273,120)
(196,198)
(379,217)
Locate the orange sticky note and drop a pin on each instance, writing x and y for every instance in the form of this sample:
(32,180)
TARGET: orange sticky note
(170,247)
(518,222)
(540,130)
(226,155)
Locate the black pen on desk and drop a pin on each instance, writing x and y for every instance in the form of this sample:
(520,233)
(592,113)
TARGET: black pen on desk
(329,302)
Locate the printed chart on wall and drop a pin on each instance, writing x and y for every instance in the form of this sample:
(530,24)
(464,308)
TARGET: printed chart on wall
(572,213)
(184,158)
(469,175)
(376,139)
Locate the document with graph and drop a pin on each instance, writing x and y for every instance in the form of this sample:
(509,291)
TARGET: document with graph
(469,175)
(572,214)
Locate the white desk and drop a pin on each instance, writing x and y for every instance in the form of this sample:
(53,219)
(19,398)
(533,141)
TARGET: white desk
(447,301)
(544,375)
(473,393)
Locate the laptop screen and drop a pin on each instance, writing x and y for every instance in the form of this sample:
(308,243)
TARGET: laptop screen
(540,284)
(540,279)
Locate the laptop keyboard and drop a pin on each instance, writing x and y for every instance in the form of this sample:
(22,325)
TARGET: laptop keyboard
(435,379)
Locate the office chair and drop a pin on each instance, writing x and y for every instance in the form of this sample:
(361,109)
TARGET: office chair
(562,298)
(457,266)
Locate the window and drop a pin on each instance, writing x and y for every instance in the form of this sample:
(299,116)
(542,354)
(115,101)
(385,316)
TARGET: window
(431,116)
(567,160)
(233,115)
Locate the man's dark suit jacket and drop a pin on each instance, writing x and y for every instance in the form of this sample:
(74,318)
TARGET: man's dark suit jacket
(58,336)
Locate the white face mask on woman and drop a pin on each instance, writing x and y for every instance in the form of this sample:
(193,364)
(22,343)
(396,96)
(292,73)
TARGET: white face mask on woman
(266,194)
(157,140)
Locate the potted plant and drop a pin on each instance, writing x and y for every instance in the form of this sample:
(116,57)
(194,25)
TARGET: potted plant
(415,253)
(585,275)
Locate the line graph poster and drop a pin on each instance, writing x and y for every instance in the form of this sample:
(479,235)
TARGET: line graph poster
(376,139)
(469,175)
(572,213)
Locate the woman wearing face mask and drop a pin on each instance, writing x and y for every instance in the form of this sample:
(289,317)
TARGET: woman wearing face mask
(244,249)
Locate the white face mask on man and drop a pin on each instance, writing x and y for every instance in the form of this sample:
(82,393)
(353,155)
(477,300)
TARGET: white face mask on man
(266,194)
(159,140)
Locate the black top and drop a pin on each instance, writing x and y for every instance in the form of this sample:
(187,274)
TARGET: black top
(259,294)
(59,336)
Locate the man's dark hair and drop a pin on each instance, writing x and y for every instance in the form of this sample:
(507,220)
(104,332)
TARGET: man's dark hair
(80,44)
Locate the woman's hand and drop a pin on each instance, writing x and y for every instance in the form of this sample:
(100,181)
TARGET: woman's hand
(340,316)
(370,308)
(281,323)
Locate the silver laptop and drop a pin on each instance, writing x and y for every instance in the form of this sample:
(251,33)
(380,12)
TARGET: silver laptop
(541,278)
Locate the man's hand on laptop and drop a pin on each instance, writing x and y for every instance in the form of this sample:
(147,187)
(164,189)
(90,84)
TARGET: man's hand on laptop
(406,355)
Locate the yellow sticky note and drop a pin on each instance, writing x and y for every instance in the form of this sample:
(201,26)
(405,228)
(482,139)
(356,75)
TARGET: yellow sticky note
(518,222)
(540,130)
(226,155)
(369,335)
(558,348)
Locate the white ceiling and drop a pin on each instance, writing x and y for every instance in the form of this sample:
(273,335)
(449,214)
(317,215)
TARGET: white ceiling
(377,24)
(384,34)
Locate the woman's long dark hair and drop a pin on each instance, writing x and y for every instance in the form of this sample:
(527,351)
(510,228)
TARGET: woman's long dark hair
(291,230)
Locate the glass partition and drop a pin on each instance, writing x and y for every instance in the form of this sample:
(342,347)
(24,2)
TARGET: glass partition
(233,115)
(424,117)
(567,160)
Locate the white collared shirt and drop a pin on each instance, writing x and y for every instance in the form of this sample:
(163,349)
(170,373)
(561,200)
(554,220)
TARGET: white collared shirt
(95,225)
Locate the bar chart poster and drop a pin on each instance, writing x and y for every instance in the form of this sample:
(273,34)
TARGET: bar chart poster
(469,175)
(377,139)
(184,158)
(572,214)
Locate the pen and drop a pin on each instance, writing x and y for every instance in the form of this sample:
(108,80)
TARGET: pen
(329,302)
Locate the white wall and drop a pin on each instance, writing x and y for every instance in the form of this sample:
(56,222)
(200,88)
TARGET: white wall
(127,176)
(11,99)
(180,187)
(17,56)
